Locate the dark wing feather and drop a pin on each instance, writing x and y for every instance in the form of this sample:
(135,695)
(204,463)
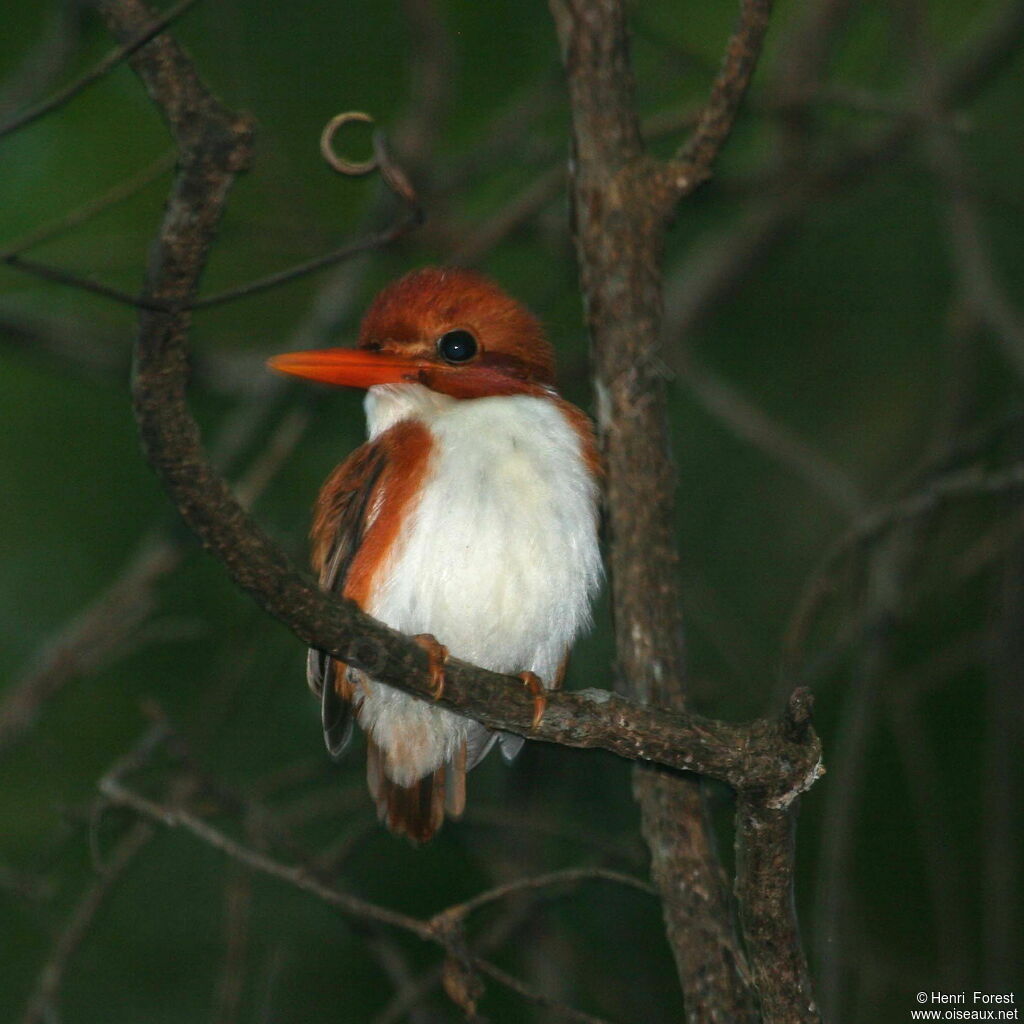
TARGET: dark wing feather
(338,530)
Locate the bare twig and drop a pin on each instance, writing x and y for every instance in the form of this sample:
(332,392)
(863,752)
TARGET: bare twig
(121,191)
(296,875)
(970,253)
(553,1005)
(86,642)
(57,275)
(523,207)
(730,85)
(42,64)
(391,173)
(117,793)
(407,998)
(237,910)
(330,259)
(569,876)
(82,351)
(921,769)
(24,885)
(960,485)
(111,623)
(431,77)
(834,905)
(1001,788)
(111,61)
(751,424)
(328,152)
(41,1006)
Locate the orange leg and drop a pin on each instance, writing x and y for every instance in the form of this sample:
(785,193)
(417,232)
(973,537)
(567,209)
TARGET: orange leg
(437,655)
(540,702)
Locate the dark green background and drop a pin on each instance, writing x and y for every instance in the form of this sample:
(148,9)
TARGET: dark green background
(851,328)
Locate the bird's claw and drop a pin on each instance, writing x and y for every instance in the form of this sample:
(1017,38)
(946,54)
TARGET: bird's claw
(437,655)
(540,701)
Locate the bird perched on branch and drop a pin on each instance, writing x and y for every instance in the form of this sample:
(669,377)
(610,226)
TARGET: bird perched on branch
(468,520)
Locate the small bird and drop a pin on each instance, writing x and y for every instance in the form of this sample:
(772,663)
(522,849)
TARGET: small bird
(468,520)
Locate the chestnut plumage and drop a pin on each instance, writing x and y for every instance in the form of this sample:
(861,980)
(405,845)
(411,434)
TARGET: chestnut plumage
(467,520)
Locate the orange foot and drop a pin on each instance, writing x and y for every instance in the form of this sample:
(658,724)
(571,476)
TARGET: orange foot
(437,655)
(540,701)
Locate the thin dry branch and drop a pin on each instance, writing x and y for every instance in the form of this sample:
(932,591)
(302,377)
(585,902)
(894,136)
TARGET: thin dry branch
(105,626)
(404,1002)
(376,241)
(933,494)
(121,191)
(110,625)
(41,1005)
(40,65)
(435,931)
(727,91)
(82,351)
(57,275)
(749,423)
(568,876)
(116,56)
(971,252)
(118,794)
(1001,786)
(237,916)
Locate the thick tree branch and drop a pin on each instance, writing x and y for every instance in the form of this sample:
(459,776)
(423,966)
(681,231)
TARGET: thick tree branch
(621,202)
(765,858)
(214,146)
(619,208)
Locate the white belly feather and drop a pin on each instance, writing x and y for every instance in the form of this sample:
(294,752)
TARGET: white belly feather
(499,559)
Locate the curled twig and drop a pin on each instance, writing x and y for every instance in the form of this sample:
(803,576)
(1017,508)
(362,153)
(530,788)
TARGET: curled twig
(394,177)
(341,165)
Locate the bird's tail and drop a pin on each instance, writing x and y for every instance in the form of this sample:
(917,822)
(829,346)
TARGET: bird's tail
(417,811)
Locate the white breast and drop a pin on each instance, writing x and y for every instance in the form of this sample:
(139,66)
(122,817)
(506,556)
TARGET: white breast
(499,559)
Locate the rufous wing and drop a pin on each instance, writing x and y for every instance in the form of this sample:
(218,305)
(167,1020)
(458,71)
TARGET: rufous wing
(358,517)
(339,526)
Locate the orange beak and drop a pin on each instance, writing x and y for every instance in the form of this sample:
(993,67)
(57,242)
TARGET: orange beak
(349,367)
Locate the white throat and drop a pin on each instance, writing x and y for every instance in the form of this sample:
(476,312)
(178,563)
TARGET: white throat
(388,404)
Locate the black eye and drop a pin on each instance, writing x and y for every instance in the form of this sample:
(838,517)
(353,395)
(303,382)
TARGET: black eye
(457,346)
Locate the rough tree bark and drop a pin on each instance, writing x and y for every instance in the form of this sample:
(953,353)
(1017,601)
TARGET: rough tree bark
(618,221)
(622,200)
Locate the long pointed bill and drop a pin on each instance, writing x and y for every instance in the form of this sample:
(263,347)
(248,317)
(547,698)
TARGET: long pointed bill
(349,367)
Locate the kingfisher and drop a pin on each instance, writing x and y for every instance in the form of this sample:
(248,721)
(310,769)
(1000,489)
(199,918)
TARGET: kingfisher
(468,520)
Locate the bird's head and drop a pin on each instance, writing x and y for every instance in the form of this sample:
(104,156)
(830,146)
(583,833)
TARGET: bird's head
(451,330)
